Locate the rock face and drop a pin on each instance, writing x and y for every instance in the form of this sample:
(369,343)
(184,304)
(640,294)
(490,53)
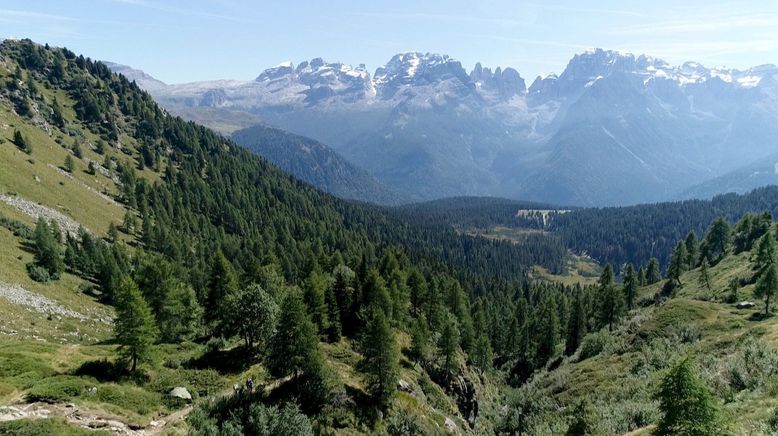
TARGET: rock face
(181,392)
(613,128)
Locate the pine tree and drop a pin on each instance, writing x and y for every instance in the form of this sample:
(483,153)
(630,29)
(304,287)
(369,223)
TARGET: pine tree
(421,349)
(90,168)
(692,250)
(482,353)
(767,286)
(333,330)
(134,325)
(56,114)
(678,262)
(448,344)
(68,165)
(22,142)
(686,405)
(315,287)
(653,272)
(546,330)
(630,286)
(642,277)
(222,282)
(295,346)
(576,327)
(381,358)
(717,240)
(47,250)
(705,274)
(611,299)
(765,253)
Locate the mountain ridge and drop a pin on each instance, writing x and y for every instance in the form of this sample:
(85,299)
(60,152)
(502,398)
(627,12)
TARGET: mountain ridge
(424,126)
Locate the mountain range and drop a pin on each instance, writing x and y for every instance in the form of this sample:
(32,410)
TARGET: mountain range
(612,129)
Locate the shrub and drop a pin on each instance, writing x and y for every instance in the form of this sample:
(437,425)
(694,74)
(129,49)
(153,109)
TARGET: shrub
(752,366)
(58,389)
(38,273)
(595,343)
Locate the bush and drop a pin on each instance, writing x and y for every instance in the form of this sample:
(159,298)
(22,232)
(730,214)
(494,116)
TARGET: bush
(595,343)
(244,414)
(752,366)
(58,389)
(38,273)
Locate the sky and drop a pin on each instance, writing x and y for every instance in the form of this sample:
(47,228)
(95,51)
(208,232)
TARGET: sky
(181,41)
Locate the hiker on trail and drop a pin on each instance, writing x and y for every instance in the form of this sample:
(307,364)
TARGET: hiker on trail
(250,384)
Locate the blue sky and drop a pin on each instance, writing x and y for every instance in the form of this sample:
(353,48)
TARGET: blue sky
(178,41)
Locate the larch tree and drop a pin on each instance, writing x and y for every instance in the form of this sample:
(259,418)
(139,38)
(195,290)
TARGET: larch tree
(686,404)
(678,263)
(767,286)
(381,358)
(630,286)
(134,326)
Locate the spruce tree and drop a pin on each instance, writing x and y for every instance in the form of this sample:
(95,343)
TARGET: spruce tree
(333,330)
(381,358)
(134,325)
(611,299)
(692,250)
(678,262)
(642,277)
(717,240)
(47,250)
(482,353)
(421,349)
(765,253)
(705,274)
(68,165)
(767,286)
(653,272)
(576,328)
(686,405)
(22,142)
(630,286)
(294,348)
(448,344)
(222,282)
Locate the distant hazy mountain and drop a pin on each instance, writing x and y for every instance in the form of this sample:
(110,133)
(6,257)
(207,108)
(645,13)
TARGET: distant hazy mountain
(612,129)
(760,173)
(315,163)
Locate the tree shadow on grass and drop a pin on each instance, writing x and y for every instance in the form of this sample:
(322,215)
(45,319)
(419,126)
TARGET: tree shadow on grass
(760,316)
(232,361)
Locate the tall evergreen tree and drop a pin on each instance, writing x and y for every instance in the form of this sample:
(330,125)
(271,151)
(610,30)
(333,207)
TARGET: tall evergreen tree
(717,240)
(692,250)
(134,325)
(611,299)
(294,348)
(222,282)
(678,263)
(653,272)
(421,349)
(767,286)
(705,274)
(448,344)
(381,358)
(47,249)
(576,327)
(686,405)
(482,353)
(630,286)
(765,253)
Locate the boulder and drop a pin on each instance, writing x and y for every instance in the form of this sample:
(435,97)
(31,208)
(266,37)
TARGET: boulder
(404,386)
(744,305)
(181,392)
